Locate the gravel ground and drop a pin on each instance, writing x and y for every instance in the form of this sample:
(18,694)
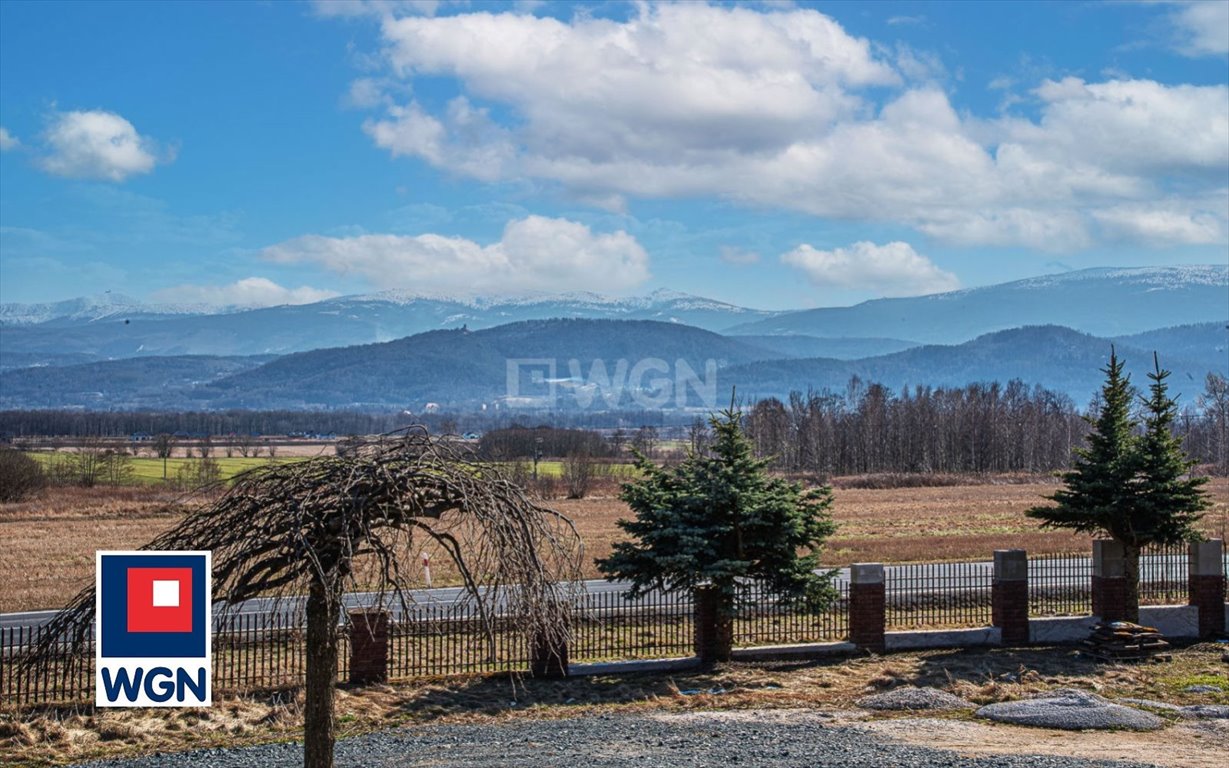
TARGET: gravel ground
(913,699)
(742,739)
(1071,710)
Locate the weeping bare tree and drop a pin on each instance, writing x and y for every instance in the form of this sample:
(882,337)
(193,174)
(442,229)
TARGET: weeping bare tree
(336,523)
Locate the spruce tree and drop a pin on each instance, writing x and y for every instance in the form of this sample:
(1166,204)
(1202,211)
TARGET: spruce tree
(718,518)
(1168,498)
(1132,488)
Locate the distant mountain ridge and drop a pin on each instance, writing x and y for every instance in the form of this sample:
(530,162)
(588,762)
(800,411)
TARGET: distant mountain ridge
(124,329)
(88,309)
(597,364)
(1057,358)
(1102,302)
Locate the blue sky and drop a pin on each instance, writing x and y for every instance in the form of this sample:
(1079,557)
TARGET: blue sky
(773,155)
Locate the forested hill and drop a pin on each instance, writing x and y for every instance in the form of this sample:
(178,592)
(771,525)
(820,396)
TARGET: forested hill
(1058,358)
(471,367)
(143,382)
(585,363)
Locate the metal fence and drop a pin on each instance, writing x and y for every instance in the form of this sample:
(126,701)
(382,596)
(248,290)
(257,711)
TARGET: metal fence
(608,627)
(1163,575)
(765,619)
(452,639)
(250,652)
(70,677)
(266,651)
(938,595)
(1060,585)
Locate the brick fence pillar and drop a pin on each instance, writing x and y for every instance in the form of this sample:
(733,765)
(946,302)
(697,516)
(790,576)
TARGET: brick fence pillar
(1009,596)
(368,646)
(1109,585)
(1207,586)
(867,606)
(714,638)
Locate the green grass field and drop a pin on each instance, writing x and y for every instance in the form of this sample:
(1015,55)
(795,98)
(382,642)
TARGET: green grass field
(554,468)
(150,470)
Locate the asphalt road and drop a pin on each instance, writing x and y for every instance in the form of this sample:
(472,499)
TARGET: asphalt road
(928,579)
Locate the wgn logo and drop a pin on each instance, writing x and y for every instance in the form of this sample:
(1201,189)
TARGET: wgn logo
(152,634)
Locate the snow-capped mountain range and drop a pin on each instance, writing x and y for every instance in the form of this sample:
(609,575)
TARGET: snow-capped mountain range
(1103,302)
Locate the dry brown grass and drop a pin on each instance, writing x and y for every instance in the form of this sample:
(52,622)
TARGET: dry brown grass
(982,676)
(49,543)
(965,522)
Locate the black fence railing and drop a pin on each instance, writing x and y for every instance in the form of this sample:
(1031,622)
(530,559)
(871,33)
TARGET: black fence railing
(267,651)
(453,639)
(937,595)
(608,627)
(1163,576)
(68,677)
(765,619)
(1060,585)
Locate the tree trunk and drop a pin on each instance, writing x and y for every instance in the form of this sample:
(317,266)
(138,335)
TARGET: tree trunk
(1130,573)
(318,725)
(714,626)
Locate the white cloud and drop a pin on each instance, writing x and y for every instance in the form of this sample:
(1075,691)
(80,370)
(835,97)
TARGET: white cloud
(893,269)
(7,140)
(96,145)
(1138,127)
(787,110)
(365,93)
(533,254)
(1181,222)
(1202,28)
(248,293)
(465,142)
(594,90)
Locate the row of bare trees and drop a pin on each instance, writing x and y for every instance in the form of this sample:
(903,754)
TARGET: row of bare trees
(979,428)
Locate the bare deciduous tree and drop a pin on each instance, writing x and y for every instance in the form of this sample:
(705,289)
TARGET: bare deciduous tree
(1215,404)
(307,527)
(579,473)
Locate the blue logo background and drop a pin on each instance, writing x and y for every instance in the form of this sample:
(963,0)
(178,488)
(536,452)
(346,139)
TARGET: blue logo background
(118,642)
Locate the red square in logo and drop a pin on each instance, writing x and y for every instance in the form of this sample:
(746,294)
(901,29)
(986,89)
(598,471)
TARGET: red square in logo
(159,599)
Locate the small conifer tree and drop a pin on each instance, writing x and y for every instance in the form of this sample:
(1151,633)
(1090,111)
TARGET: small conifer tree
(717,518)
(1134,488)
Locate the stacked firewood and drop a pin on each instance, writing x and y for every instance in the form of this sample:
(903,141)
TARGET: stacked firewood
(1124,641)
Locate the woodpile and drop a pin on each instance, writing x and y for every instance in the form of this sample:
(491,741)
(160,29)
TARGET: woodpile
(1124,641)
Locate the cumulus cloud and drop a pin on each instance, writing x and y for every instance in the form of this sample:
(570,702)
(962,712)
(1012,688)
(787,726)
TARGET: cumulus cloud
(465,142)
(593,89)
(7,140)
(1202,28)
(96,145)
(893,269)
(785,109)
(1130,127)
(248,293)
(1179,222)
(533,254)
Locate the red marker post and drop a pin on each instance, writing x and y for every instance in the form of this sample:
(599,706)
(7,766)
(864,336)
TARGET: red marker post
(426,568)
